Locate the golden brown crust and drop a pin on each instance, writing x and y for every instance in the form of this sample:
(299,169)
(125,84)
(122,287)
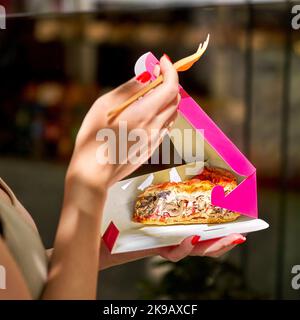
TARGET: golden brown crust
(217,176)
(209,177)
(149,211)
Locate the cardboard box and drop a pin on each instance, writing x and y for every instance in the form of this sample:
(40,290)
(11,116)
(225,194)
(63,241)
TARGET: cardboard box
(121,234)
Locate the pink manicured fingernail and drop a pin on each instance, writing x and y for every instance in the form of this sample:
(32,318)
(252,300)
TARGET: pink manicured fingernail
(144,77)
(195,240)
(239,241)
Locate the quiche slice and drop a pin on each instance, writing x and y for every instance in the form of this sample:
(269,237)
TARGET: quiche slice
(186,202)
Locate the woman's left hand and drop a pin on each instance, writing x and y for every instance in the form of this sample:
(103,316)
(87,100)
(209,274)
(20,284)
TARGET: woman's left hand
(193,246)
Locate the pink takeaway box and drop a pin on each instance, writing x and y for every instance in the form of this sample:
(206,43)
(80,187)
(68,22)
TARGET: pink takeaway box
(121,234)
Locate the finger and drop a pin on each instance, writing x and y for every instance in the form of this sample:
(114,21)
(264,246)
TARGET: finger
(221,252)
(160,129)
(156,73)
(209,247)
(128,89)
(179,252)
(172,120)
(164,125)
(166,116)
(155,121)
(164,94)
(212,254)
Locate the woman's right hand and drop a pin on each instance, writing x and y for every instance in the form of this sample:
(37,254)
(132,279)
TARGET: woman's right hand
(77,243)
(152,114)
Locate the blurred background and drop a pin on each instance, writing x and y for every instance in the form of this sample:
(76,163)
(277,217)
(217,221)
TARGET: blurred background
(58,56)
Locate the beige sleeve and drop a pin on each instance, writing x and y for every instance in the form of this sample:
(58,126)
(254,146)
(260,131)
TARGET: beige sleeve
(8,196)
(13,286)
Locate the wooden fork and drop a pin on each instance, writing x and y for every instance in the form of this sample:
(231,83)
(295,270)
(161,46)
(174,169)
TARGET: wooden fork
(181,65)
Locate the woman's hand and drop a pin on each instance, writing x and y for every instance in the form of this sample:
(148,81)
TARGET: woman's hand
(75,261)
(152,114)
(193,246)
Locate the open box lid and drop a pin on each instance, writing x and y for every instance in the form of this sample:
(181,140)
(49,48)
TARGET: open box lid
(219,151)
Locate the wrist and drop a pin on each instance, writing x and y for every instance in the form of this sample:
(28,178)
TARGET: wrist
(83,196)
(95,180)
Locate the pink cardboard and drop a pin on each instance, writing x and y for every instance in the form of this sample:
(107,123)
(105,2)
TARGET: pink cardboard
(110,236)
(243,198)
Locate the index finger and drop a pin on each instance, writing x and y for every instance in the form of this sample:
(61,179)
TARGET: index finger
(207,247)
(162,95)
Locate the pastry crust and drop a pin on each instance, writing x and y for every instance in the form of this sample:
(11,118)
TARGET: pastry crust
(185,202)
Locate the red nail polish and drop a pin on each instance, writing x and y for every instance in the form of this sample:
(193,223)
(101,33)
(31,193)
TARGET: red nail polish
(195,240)
(167,57)
(239,241)
(144,77)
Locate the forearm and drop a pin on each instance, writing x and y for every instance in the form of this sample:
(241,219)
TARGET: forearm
(74,264)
